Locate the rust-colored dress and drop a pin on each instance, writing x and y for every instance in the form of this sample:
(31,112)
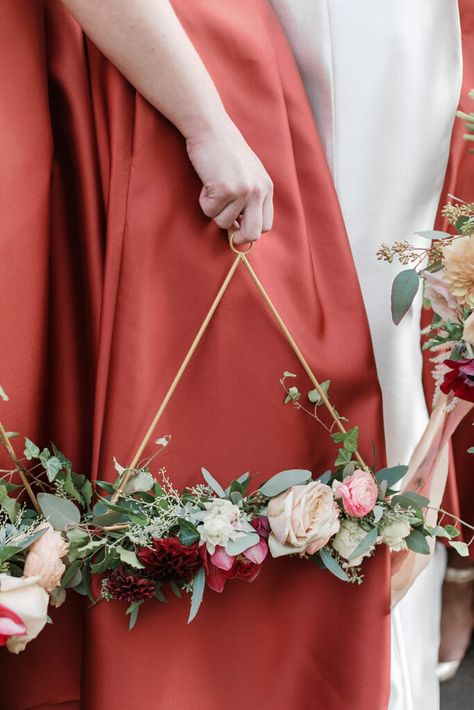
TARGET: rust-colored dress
(134,265)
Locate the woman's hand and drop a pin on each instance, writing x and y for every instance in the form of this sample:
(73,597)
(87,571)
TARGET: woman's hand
(237,190)
(146,42)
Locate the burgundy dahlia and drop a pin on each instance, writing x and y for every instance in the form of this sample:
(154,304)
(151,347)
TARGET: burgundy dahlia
(460,380)
(170,561)
(130,587)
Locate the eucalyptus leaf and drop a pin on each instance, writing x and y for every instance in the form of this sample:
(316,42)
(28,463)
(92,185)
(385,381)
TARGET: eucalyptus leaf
(404,289)
(198,593)
(392,475)
(417,542)
(236,547)
(409,499)
(133,610)
(70,573)
(284,480)
(325,477)
(139,482)
(434,234)
(8,551)
(61,513)
(365,544)
(332,565)
(212,483)
(378,512)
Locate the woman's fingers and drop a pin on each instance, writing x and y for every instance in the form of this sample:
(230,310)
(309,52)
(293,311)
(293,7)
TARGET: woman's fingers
(252,221)
(267,210)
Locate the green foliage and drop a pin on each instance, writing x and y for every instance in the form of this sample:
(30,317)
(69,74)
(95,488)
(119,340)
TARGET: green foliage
(332,565)
(60,512)
(282,481)
(188,533)
(198,592)
(404,289)
(314,396)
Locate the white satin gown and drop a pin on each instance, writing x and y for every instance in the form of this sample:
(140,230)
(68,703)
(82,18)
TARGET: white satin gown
(383,78)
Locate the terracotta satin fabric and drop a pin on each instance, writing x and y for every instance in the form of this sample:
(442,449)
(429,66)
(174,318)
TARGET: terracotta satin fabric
(127,238)
(460,182)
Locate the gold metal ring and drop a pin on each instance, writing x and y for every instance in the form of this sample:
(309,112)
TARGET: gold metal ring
(232,234)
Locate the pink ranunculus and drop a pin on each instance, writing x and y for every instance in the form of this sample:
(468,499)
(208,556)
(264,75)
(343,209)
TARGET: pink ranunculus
(442,300)
(358,492)
(303,519)
(44,558)
(10,625)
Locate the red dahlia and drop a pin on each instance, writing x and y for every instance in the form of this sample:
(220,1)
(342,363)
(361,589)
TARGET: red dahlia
(460,379)
(130,587)
(170,561)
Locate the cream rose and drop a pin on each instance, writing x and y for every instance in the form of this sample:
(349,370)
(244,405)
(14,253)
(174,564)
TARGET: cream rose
(347,539)
(394,534)
(29,601)
(302,519)
(44,558)
(468,333)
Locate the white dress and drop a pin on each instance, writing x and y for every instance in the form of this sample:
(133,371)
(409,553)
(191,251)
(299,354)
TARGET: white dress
(383,78)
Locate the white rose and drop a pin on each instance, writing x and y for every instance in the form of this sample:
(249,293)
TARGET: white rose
(394,533)
(26,598)
(347,539)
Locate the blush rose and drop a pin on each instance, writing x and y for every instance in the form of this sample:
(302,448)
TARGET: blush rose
(302,519)
(44,558)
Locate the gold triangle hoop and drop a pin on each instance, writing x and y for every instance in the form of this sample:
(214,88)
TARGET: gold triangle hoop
(241,258)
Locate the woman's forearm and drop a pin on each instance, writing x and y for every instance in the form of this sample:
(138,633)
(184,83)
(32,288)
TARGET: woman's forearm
(146,41)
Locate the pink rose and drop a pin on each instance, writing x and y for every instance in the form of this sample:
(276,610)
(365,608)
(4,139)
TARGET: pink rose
(44,558)
(359,493)
(443,302)
(302,519)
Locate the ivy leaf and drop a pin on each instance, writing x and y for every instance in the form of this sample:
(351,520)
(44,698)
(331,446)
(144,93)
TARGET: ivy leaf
(282,481)
(53,467)
(470,450)
(416,542)
(365,544)
(3,394)
(61,513)
(343,456)
(348,439)
(188,533)
(288,374)
(452,531)
(460,547)
(332,565)
(404,289)
(198,593)
(31,450)
(314,396)
(392,475)
(128,557)
(212,483)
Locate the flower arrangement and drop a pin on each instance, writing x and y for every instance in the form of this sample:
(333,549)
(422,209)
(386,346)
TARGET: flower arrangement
(137,538)
(142,538)
(446,270)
